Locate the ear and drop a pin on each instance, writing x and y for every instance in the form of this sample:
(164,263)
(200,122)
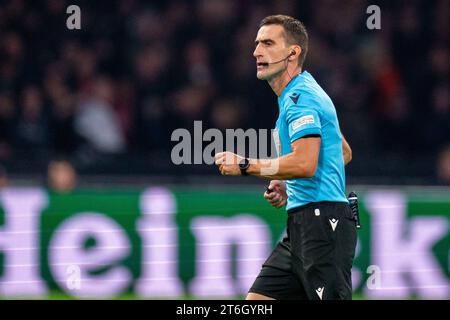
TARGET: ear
(295,53)
(292,55)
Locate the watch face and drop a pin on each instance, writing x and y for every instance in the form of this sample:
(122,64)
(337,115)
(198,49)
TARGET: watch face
(244,164)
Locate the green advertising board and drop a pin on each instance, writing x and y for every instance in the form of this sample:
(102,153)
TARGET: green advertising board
(199,242)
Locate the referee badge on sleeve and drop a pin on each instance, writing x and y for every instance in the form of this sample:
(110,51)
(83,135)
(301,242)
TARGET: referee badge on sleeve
(300,122)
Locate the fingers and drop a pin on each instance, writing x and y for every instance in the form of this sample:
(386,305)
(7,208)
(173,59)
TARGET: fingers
(226,166)
(219,157)
(226,157)
(270,196)
(281,204)
(273,197)
(275,200)
(278,202)
(274,184)
(223,157)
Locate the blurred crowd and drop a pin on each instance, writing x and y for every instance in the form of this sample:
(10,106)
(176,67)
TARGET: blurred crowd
(108,96)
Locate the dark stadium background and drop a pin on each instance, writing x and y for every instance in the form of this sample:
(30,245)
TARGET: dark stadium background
(106,98)
(159,65)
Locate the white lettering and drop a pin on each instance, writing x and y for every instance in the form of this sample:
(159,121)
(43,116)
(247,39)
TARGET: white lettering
(374,20)
(215,237)
(111,245)
(399,253)
(159,233)
(74,20)
(19,241)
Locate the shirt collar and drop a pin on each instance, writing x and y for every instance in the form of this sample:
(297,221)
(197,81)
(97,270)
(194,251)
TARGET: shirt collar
(292,83)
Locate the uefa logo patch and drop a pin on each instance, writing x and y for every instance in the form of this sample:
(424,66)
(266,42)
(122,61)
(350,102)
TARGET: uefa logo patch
(297,124)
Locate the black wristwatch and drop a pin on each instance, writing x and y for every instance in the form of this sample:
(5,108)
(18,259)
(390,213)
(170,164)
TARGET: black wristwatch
(243,165)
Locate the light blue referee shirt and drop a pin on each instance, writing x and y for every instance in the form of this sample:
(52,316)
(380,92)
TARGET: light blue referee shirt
(305,109)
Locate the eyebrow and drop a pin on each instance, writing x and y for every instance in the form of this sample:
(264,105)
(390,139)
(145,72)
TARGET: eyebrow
(265,41)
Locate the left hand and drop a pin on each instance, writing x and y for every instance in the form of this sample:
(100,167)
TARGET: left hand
(228,163)
(277,196)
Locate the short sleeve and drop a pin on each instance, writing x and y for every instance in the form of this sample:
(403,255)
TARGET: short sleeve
(302,121)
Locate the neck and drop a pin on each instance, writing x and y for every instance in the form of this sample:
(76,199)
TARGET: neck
(280,81)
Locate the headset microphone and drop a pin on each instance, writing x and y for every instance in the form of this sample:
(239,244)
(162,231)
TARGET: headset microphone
(290,54)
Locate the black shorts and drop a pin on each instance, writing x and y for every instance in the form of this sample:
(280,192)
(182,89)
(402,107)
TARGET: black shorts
(314,260)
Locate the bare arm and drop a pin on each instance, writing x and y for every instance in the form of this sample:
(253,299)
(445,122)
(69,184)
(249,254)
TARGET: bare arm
(300,163)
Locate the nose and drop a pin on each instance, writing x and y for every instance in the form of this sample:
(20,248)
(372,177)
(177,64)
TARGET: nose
(256,52)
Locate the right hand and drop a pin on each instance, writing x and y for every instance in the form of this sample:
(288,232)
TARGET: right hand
(278,196)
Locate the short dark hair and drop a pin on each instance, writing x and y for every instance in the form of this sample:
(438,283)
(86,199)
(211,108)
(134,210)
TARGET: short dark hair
(295,32)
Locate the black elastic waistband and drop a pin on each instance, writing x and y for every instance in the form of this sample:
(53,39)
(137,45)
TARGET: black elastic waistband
(314,204)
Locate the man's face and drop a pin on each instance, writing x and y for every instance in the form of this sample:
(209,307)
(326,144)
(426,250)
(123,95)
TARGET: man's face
(270,46)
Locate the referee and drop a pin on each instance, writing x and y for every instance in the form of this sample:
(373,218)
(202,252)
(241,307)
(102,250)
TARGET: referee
(314,260)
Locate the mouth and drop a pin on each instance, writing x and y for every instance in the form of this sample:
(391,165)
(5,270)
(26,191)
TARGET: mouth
(261,65)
